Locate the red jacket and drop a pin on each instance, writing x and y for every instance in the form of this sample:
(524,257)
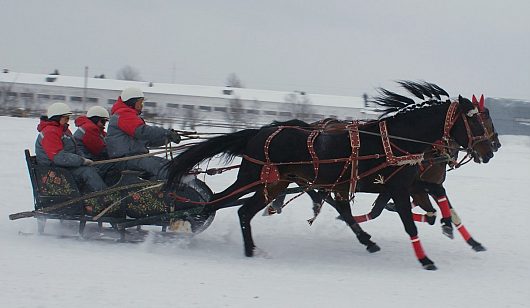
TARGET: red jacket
(129,119)
(55,145)
(89,137)
(128,133)
(51,134)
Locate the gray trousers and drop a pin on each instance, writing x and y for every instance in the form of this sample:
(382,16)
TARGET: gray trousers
(89,177)
(154,166)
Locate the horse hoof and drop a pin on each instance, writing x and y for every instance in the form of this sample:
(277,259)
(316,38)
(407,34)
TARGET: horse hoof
(431,220)
(373,248)
(479,248)
(448,231)
(428,264)
(390,206)
(476,245)
(249,252)
(430,267)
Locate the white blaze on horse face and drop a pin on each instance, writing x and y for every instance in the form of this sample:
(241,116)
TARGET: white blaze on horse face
(472,112)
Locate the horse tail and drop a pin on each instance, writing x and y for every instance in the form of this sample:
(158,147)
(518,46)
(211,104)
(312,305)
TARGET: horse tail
(229,145)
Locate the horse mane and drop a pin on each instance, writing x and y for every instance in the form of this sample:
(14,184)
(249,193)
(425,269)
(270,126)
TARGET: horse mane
(393,102)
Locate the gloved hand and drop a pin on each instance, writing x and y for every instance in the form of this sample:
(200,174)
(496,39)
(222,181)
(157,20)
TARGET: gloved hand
(87,162)
(173,136)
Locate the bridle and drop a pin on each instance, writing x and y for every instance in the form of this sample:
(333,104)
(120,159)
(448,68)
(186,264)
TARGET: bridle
(450,119)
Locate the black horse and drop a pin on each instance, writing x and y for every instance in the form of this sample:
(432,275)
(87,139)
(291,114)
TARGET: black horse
(338,160)
(430,183)
(431,176)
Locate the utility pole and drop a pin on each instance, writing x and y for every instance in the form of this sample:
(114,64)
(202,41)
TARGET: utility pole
(365,98)
(85,89)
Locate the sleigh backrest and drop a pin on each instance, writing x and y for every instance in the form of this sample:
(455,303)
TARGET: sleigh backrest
(51,185)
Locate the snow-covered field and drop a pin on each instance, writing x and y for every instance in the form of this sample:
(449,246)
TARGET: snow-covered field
(318,266)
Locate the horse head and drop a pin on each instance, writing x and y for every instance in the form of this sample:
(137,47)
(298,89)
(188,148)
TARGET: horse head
(464,124)
(484,113)
(463,120)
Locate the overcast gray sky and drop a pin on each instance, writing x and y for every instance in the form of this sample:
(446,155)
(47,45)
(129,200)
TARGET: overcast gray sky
(331,47)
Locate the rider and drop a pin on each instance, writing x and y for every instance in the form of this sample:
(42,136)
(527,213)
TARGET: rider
(129,135)
(55,146)
(90,139)
(90,133)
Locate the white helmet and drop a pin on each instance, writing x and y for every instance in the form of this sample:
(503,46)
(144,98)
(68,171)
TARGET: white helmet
(129,93)
(56,109)
(97,111)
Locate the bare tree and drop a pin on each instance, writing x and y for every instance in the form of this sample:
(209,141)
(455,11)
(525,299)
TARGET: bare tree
(233,81)
(128,73)
(8,100)
(300,105)
(235,114)
(191,118)
(27,98)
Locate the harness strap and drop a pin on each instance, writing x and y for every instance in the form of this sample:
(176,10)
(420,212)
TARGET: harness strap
(355,143)
(353,134)
(269,172)
(450,120)
(311,149)
(410,159)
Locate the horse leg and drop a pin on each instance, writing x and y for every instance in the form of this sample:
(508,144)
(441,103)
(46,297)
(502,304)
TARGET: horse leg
(318,199)
(421,199)
(249,209)
(439,194)
(276,189)
(463,231)
(403,206)
(343,207)
(379,204)
(277,204)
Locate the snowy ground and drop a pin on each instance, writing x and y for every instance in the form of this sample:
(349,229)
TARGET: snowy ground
(318,266)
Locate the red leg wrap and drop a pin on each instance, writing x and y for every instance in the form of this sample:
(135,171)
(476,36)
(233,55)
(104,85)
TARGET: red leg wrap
(362,218)
(463,232)
(418,217)
(443,204)
(418,250)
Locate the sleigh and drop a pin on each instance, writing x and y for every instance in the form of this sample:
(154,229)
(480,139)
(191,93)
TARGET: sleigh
(131,202)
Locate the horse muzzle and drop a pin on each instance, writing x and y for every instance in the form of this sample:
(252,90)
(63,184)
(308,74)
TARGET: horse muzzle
(482,158)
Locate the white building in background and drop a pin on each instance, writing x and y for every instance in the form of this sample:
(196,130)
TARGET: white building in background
(176,103)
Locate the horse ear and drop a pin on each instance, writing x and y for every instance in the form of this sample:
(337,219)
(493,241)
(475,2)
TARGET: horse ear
(481,103)
(474,99)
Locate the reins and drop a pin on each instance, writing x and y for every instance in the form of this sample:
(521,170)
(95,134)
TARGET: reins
(167,150)
(460,149)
